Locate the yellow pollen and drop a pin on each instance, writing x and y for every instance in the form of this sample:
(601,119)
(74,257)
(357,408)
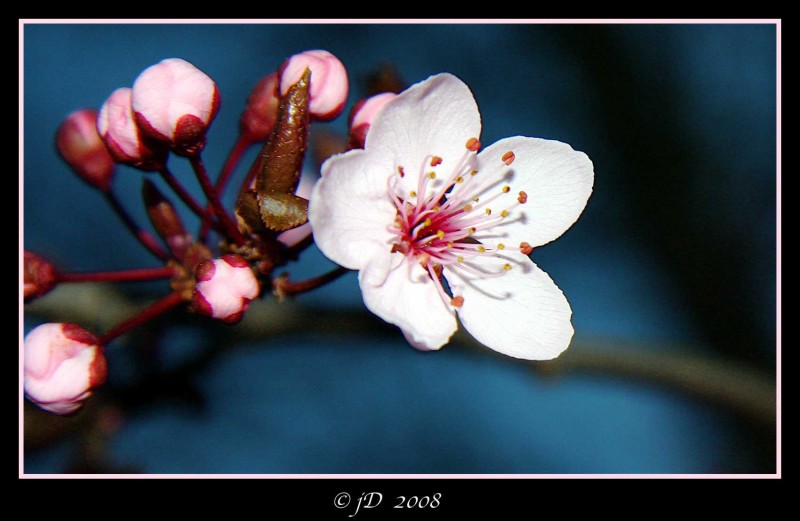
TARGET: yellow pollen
(459,179)
(449,244)
(504,213)
(506,266)
(501,246)
(506,189)
(475,199)
(440,234)
(412,193)
(432,175)
(460,258)
(474,172)
(467,208)
(488,211)
(472,230)
(481,249)
(427,222)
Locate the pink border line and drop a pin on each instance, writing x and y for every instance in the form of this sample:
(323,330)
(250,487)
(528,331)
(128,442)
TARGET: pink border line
(768,21)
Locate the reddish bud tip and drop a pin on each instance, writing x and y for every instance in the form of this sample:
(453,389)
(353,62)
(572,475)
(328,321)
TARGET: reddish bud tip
(261,112)
(39,276)
(224,288)
(80,145)
(363,114)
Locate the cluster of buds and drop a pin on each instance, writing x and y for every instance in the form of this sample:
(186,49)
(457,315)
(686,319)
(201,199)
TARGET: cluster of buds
(168,110)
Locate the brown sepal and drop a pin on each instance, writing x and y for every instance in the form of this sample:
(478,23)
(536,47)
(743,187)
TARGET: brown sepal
(280,211)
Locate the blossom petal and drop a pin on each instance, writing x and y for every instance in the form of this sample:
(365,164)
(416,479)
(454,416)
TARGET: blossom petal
(521,313)
(409,299)
(434,117)
(350,210)
(556,179)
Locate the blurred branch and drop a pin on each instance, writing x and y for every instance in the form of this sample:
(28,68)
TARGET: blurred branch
(691,370)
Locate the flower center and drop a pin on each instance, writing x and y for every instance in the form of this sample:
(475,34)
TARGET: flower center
(448,223)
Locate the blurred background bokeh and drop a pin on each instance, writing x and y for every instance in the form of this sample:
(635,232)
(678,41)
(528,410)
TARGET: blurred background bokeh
(670,271)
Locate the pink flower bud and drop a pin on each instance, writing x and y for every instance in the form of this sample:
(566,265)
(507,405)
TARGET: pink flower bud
(63,364)
(261,111)
(224,289)
(362,115)
(329,84)
(39,276)
(175,102)
(122,137)
(83,150)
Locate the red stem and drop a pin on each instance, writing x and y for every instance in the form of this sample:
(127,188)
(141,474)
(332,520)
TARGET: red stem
(118,276)
(186,197)
(158,308)
(285,288)
(147,240)
(227,223)
(235,155)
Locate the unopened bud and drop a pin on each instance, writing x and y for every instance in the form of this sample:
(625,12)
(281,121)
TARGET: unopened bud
(39,276)
(362,116)
(261,112)
(296,235)
(122,136)
(329,83)
(224,288)
(80,145)
(63,364)
(175,102)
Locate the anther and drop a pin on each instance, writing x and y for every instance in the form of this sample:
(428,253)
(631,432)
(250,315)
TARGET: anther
(474,172)
(506,189)
(401,171)
(481,249)
(488,211)
(508,157)
(427,222)
(506,266)
(467,208)
(440,234)
(457,301)
(412,193)
(459,179)
(472,230)
(501,246)
(504,213)
(523,198)
(460,258)
(525,248)
(436,160)
(432,175)
(449,244)
(473,144)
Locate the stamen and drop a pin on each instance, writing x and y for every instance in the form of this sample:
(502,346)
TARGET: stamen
(506,189)
(459,179)
(436,160)
(488,211)
(457,301)
(501,246)
(523,198)
(506,266)
(473,144)
(401,171)
(508,157)
(432,175)
(525,248)
(412,193)
(504,213)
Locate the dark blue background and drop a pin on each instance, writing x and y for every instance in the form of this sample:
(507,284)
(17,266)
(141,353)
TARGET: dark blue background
(676,250)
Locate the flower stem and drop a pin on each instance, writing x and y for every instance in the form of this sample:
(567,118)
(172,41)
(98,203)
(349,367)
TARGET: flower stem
(147,240)
(284,288)
(235,155)
(185,196)
(158,308)
(228,225)
(118,276)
